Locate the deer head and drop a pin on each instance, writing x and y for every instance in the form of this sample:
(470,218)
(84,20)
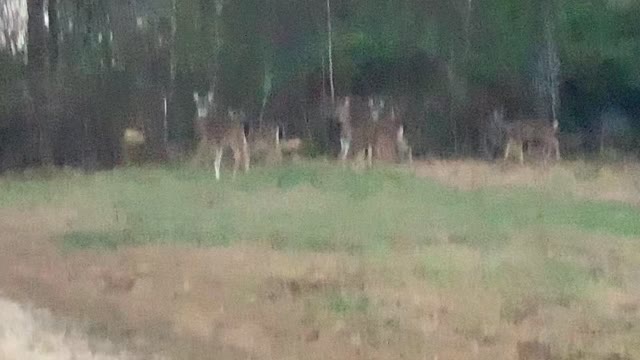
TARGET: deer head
(204,104)
(376,107)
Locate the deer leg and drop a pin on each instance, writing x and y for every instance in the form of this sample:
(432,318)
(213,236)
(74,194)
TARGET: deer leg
(507,149)
(530,147)
(237,158)
(247,156)
(344,148)
(218,161)
(404,152)
(521,152)
(370,155)
(199,154)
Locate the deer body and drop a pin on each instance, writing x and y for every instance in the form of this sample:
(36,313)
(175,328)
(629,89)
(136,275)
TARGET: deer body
(356,128)
(531,131)
(218,132)
(369,125)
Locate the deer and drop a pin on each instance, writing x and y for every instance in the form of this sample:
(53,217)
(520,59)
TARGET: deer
(402,147)
(358,118)
(218,132)
(530,131)
(390,143)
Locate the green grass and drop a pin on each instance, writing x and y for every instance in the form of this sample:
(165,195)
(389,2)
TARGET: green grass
(344,304)
(313,206)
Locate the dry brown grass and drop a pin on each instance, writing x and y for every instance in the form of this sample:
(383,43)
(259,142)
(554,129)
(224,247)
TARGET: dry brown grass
(614,182)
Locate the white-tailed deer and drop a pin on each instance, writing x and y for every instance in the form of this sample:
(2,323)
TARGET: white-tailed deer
(530,131)
(390,143)
(358,118)
(403,149)
(218,132)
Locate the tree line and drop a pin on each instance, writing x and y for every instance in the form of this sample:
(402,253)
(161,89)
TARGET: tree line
(75,74)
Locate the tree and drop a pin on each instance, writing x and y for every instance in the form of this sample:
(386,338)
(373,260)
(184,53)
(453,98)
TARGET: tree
(38,75)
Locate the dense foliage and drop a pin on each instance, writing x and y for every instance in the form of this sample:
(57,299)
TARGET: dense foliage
(96,67)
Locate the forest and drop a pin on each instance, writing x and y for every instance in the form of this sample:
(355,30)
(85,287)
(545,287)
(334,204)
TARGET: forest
(75,74)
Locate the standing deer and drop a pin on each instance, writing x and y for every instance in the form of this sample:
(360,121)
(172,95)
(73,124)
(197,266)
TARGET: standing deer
(358,118)
(219,132)
(530,131)
(403,149)
(389,141)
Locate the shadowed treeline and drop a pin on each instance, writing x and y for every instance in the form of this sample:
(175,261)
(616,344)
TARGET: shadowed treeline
(76,74)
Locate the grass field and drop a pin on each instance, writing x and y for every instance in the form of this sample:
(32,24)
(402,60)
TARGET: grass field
(452,260)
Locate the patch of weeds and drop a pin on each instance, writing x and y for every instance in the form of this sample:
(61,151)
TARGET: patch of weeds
(437,273)
(587,171)
(291,177)
(317,243)
(360,187)
(343,304)
(515,310)
(481,239)
(214,238)
(277,240)
(426,240)
(97,239)
(445,266)
(565,281)
(527,283)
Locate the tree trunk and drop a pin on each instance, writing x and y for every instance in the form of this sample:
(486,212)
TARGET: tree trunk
(37,56)
(554,70)
(53,34)
(215,65)
(330,53)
